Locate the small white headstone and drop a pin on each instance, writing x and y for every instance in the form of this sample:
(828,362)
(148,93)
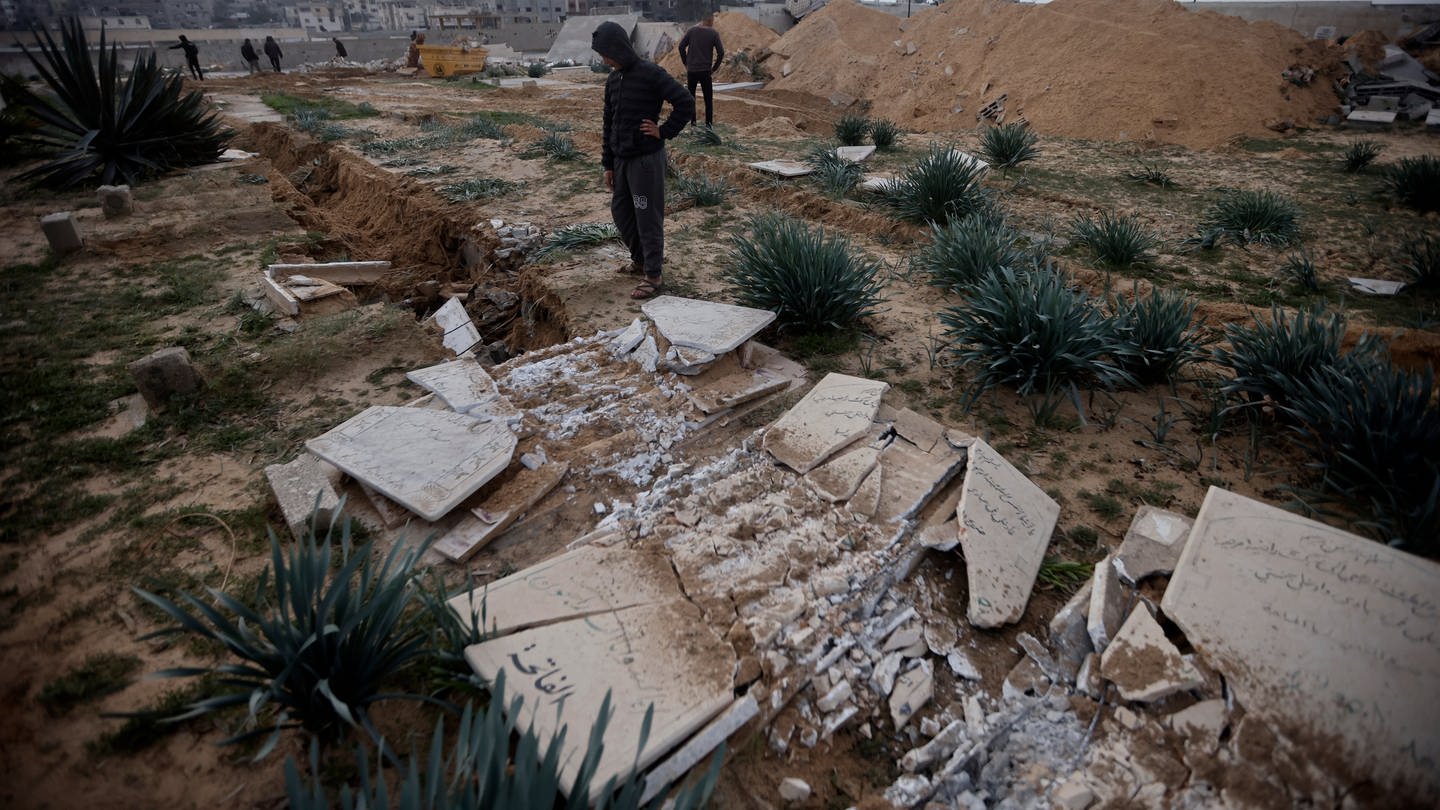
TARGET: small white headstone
(784,168)
(836,412)
(854,154)
(705,325)
(460,332)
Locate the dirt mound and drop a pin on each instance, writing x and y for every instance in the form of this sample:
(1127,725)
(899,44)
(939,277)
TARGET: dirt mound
(1099,69)
(777,126)
(739,34)
(1369,46)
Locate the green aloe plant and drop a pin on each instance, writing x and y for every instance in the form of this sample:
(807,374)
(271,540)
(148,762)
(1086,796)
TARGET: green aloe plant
(1118,240)
(316,644)
(851,130)
(1254,216)
(964,251)
(1416,182)
(1008,146)
(100,126)
(1160,332)
(835,175)
(1270,359)
(942,185)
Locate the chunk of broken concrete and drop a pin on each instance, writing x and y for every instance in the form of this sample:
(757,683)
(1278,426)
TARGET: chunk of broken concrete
(1376,286)
(465,387)
(62,233)
(837,479)
(500,511)
(1331,632)
(663,658)
(628,339)
(836,412)
(459,334)
(1152,545)
(1143,664)
(918,429)
(164,374)
(1069,635)
(1005,526)
(783,168)
(912,478)
(115,201)
(687,361)
(1026,678)
(707,739)
(854,154)
(1202,724)
(304,493)
(1107,604)
(913,689)
(428,461)
(794,790)
(705,326)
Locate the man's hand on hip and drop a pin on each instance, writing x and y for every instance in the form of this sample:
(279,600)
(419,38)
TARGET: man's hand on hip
(650,128)
(610,179)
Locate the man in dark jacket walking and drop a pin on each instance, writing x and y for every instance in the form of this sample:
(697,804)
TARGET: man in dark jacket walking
(192,57)
(252,59)
(696,49)
(340,48)
(272,50)
(633,153)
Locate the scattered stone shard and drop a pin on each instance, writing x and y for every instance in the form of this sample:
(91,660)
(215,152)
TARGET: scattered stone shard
(1202,723)
(1069,634)
(877,182)
(460,334)
(836,412)
(1318,628)
(302,489)
(736,388)
(115,201)
(784,168)
(912,477)
(794,790)
(628,339)
(689,362)
(500,511)
(574,585)
(837,479)
(647,354)
(866,500)
(1005,526)
(913,689)
(705,740)
(854,154)
(334,272)
(919,430)
(1107,604)
(428,461)
(1376,286)
(1152,545)
(1143,664)
(660,656)
(705,325)
(464,386)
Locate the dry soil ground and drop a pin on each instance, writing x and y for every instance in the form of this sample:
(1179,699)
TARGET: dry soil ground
(91,510)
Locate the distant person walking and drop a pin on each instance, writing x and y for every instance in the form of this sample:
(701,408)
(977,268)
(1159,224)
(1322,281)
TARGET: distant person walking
(252,59)
(272,50)
(633,148)
(412,54)
(340,48)
(696,49)
(192,57)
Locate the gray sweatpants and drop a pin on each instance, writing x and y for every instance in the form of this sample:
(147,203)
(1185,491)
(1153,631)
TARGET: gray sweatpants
(638,207)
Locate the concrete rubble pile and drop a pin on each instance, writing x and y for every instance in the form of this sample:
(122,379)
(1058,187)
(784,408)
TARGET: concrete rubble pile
(739,575)
(1399,87)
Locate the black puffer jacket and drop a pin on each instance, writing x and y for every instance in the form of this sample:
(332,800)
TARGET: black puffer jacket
(634,93)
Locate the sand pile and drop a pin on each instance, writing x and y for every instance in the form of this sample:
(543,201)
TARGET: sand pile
(738,34)
(1102,69)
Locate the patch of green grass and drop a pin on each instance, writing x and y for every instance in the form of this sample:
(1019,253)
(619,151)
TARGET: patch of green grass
(1106,506)
(1064,574)
(150,725)
(100,675)
(334,108)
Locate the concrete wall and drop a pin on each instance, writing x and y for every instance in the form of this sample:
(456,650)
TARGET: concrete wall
(1347,18)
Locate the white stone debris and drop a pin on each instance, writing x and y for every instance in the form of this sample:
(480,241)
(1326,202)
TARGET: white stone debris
(1143,664)
(1152,545)
(794,790)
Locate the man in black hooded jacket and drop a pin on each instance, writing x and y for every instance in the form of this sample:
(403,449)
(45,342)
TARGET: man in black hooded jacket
(633,154)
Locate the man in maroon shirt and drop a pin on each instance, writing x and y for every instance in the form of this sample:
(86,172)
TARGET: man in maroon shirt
(701,51)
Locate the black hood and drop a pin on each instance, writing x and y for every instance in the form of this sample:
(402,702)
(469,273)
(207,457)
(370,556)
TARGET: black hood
(612,41)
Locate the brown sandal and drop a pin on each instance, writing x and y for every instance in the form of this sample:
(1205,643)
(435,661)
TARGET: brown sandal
(649,288)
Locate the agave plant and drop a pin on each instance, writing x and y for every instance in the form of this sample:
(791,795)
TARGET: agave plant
(101,126)
(555,146)
(1008,146)
(1032,331)
(1118,241)
(1370,431)
(484,769)
(536,69)
(1160,332)
(835,175)
(884,133)
(701,190)
(1270,360)
(477,188)
(1300,268)
(1254,216)
(851,130)
(810,278)
(1359,154)
(579,235)
(1419,258)
(964,251)
(1416,181)
(317,643)
(480,126)
(942,185)
(1153,174)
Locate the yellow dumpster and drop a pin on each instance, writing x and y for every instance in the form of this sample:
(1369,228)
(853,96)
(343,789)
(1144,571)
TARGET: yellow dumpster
(451,60)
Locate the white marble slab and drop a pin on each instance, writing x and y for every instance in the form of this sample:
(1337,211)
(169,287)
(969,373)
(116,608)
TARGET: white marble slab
(837,479)
(465,387)
(1005,526)
(1143,664)
(854,154)
(836,412)
(588,580)
(427,461)
(705,325)
(1152,545)
(1376,286)
(460,334)
(660,656)
(784,168)
(1320,630)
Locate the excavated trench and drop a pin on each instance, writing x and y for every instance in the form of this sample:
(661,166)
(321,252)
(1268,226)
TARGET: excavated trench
(436,248)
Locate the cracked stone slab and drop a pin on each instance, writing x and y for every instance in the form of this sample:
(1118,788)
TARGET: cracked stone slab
(628,339)
(783,168)
(837,479)
(500,511)
(465,387)
(705,325)
(1069,634)
(1152,545)
(460,334)
(735,388)
(1143,664)
(302,488)
(918,429)
(689,362)
(866,500)
(836,412)
(1107,604)
(912,477)
(651,656)
(1320,628)
(1005,527)
(854,154)
(427,461)
(1376,286)
(913,689)
(583,582)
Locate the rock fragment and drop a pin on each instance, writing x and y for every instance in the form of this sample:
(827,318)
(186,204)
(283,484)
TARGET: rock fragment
(1143,664)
